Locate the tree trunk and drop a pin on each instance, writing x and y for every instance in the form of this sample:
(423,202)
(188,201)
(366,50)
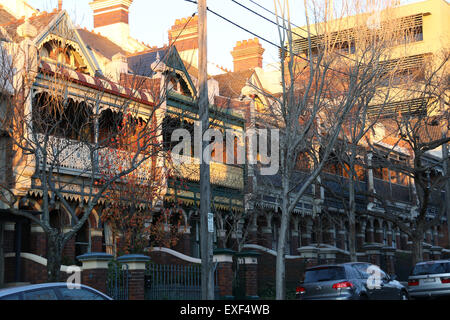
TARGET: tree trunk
(417,249)
(280,265)
(54,256)
(351,220)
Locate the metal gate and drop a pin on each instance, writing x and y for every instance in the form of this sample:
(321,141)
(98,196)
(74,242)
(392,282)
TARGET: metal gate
(175,282)
(117,281)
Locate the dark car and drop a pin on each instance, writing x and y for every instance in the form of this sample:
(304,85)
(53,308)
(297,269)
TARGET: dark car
(350,281)
(52,291)
(430,279)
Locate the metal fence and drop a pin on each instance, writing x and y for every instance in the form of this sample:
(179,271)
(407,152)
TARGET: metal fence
(117,281)
(174,282)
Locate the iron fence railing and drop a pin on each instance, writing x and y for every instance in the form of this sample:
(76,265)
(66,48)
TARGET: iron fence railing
(117,281)
(175,282)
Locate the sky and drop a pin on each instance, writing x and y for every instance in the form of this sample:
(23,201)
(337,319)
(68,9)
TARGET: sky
(150,21)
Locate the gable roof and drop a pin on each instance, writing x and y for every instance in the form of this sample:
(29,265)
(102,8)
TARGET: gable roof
(141,63)
(231,83)
(5,16)
(100,44)
(40,22)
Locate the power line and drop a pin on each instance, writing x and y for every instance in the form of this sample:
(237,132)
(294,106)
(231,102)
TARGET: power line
(264,8)
(262,38)
(286,29)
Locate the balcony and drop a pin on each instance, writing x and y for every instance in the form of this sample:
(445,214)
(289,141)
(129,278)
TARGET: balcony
(75,158)
(225,175)
(392,191)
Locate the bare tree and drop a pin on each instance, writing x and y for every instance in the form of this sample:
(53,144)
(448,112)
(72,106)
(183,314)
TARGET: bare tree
(321,86)
(420,130)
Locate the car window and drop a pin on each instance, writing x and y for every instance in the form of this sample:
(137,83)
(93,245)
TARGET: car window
(367,270)
(431,268)
(325,274)
(79,294)
(361,270)
(15,296)
(41,294)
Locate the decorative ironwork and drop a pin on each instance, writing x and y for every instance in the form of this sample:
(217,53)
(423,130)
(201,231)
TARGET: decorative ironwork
(174,282)
(117,281)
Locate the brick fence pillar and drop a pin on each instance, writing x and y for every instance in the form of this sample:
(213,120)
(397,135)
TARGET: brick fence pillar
(224,260)
(248,263)
(95,270)
(373,252)
(436,253)
(426,251)
(136,272)
(328,255)
(309,254)
(266,237)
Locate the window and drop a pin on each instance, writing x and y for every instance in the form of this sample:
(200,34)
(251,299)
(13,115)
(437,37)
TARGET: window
(79,294)
(361,269)
(324,274)
(15,296)
(431,268)
(41,294)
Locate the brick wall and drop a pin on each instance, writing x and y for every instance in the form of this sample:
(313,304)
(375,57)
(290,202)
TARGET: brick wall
(31,271)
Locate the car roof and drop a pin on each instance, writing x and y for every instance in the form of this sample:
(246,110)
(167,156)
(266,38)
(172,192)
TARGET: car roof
(13,290)
(336,265)
(433,261)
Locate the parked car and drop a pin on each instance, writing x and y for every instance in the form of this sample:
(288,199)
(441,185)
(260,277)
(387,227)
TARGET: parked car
(350,281)
(52,291)
(430,279)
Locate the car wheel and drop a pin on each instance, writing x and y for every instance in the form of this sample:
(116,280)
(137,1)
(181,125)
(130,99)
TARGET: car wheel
(363,297)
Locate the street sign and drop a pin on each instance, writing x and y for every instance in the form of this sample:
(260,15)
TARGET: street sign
(210,222)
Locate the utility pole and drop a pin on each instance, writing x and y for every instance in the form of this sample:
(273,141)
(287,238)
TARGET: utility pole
(205,187)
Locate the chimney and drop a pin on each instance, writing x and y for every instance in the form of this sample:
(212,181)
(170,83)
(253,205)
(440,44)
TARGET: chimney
(247,54)
(111,19)
(184,35)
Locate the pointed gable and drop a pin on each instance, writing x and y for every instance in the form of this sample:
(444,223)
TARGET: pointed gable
(141,63)
(58,33)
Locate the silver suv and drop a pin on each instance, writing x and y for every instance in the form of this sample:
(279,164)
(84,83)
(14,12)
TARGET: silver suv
(350,281)
(430,279)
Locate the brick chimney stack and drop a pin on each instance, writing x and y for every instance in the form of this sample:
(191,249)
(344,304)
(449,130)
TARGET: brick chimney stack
(111,19)
(184,35)
(247,54)
(110,12)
